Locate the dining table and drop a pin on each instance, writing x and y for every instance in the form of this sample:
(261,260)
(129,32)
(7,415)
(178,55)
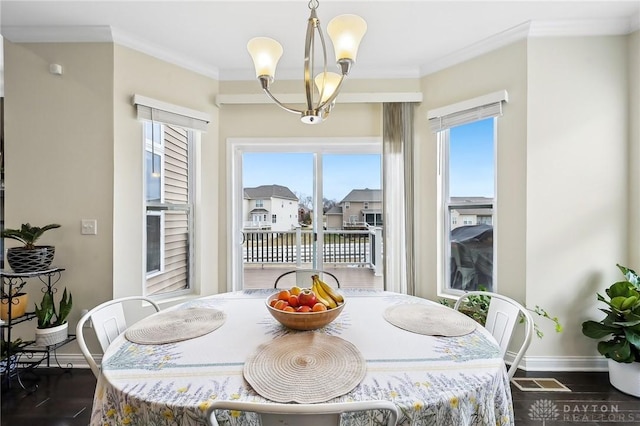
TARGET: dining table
(433,377)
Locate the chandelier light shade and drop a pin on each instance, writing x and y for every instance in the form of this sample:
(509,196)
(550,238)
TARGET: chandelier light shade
(346,33)
(266,53)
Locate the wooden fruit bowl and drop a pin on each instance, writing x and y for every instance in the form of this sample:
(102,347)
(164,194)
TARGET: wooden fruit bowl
(304,320)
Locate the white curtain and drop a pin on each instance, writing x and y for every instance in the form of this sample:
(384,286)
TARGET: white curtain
(398,197)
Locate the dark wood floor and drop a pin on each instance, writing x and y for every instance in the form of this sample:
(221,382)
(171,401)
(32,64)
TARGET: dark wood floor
(64,398)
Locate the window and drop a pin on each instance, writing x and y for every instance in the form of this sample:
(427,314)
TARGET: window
(259,203)
(154,148)
(168,207)
(273,218)
(366,205)
(170,134)
(467,140)
(347,204)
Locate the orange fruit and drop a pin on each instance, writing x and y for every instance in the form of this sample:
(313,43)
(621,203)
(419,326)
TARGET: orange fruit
(273,302)
(281,304)
(303,308)
(288,309)
(284,295)
(295,290)
(319,307)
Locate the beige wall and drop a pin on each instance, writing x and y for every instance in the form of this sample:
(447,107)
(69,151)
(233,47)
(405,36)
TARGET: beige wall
(633,52)
(576,185)
(137,73)
(73,152)
(504,69)
(59,160)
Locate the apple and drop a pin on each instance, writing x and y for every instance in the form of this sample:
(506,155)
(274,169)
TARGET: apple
(293,301)
(307,298)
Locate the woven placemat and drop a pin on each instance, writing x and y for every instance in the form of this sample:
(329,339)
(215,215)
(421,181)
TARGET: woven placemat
(432,320)
(305,367)
(175,325)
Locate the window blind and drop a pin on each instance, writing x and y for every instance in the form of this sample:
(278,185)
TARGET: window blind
(467,111)
(154,110)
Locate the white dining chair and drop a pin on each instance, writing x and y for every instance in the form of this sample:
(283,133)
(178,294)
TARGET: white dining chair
(503,315)
(324,414)
(108,322)
(303,278)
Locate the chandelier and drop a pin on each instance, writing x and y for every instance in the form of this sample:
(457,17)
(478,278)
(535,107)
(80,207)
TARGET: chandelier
(345,31)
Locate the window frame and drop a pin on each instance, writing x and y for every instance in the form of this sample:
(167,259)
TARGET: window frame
(159,208)
(440,121)
(154,146)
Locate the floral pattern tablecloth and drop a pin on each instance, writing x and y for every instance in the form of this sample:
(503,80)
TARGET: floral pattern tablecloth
(433,380)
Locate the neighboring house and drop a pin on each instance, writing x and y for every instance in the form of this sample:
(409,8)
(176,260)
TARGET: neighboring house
(465,211)
(270,207)
(359,209)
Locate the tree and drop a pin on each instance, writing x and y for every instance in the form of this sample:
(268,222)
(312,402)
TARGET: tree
(328,204)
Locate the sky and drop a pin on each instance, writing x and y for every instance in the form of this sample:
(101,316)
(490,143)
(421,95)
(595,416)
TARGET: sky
(471,160)
(471,164)
(341,172)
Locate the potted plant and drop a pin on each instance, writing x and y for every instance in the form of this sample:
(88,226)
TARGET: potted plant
(9,354)
(29,257)
(52,323)
(621,326)
(18,300)
(477,307)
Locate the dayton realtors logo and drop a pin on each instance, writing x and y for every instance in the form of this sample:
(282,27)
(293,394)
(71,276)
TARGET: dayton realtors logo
(549,411)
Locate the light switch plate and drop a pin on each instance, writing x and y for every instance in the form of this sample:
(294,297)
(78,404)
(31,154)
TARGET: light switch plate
(89,227)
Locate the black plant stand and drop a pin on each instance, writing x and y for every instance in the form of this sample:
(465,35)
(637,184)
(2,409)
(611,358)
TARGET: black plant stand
(30,356)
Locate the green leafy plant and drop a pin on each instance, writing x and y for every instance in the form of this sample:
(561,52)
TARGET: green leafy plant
(622,320)
(13,347)
(477,306)
(47,314)
(27,234)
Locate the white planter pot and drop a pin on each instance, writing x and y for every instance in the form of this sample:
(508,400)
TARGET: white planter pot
(51,336)
(625,377)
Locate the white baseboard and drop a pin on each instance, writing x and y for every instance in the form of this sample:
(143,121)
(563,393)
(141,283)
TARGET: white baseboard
(563,363)
(69,361)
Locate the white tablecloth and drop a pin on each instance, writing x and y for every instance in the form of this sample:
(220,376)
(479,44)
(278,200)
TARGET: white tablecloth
(433,380)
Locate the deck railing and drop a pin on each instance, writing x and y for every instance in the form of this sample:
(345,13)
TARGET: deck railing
(341,247)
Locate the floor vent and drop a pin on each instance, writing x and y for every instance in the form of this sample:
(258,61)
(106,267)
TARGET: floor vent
(541,384)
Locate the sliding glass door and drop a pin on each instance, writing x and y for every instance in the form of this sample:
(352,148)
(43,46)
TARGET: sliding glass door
(305,205)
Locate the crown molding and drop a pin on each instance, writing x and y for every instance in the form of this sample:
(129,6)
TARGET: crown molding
(578,28)
(574,28)
(126,39)
(487,45)
(104,33)
(50,34)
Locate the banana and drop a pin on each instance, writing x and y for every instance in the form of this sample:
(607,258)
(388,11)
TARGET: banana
(319,296)
(330,291)
(328,298)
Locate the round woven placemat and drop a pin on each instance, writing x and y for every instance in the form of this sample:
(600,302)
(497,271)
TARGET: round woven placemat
(305,367)
(175,325)
(432,320)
